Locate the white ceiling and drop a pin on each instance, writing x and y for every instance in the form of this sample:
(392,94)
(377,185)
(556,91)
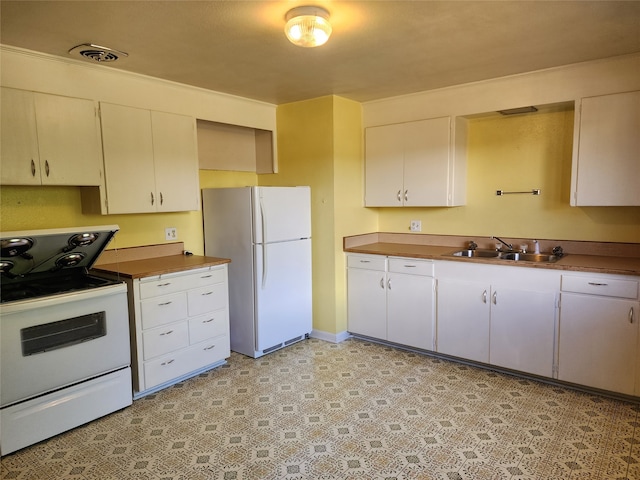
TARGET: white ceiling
(378,48)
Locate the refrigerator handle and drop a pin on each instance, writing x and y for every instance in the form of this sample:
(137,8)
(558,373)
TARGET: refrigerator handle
(263,226)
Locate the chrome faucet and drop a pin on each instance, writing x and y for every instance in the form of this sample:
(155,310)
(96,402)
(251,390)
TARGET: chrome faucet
(508,245)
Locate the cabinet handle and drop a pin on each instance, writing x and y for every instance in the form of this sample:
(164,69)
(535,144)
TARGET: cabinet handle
(169,332)
(596,284)
(165,303)
(46,167)
(152,199)
(206,293)
(209,347)
(167,362)
(33,168)
(399,195)
(406,195)
(164,284)
(631,315)
(495,298)
(484,297)
(161,198)
(208,321)
(206,276)
(382,282)
(389,284)
(410,266)
(365,261)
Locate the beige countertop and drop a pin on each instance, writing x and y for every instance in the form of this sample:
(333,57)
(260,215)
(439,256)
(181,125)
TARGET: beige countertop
(580,262)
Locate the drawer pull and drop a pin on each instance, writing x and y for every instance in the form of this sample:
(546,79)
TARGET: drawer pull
(167,333)
(410,266)
(167,362)
(389,284)
(164,284)
(596,284)
(208,321)
(484,297)
(631,315)
(165,304)
(206,293)
(365,261)
(495,298)
(206,276)
(382,282)
(209,347)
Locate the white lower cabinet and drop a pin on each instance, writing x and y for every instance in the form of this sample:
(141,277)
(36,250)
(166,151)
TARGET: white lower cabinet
(599,316)
(500,315)
(180,326)
(391,299)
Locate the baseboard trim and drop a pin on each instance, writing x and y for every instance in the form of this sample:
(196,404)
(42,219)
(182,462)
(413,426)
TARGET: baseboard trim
(330,337)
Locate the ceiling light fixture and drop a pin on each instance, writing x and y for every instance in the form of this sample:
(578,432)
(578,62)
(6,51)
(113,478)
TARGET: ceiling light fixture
(307,26)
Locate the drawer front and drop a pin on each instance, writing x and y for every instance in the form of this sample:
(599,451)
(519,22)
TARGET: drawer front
(412,266)
(596,285)
(217,275)
(208,298)
(209,325)
(163,310)
(368,262)
(163,286)
(165,339)
(176,364)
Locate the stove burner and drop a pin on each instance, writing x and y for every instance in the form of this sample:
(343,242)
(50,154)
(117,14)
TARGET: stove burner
(12,247)
(70,260)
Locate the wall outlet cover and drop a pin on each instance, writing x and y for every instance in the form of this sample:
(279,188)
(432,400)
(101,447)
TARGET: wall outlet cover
(171,233)
(415,226)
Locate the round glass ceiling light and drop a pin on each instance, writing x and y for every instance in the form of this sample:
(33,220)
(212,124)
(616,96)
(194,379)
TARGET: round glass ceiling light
(307,26)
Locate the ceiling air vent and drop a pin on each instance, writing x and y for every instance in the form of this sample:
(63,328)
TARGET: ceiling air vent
(97,53)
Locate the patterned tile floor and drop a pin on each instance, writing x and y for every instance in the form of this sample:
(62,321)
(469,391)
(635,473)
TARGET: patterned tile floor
(353,410)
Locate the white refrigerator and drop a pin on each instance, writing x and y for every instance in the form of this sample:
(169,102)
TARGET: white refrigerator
(266,232)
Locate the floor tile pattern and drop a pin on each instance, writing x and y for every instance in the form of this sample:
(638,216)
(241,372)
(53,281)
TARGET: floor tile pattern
(354,410)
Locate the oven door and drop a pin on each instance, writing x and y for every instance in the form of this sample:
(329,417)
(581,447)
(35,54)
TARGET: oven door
(54,342)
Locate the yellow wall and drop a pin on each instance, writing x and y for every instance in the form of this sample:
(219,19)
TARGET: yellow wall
(516,154)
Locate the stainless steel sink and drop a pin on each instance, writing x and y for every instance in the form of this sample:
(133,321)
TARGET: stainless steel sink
(515,256)
(477,253)
(529,257)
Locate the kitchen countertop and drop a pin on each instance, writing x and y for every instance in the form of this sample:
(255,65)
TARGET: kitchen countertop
(580,262)
(149,267)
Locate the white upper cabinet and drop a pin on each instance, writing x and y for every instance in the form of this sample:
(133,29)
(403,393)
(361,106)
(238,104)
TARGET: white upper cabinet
(416,164)
(151,161)
(49,140)
(606,163)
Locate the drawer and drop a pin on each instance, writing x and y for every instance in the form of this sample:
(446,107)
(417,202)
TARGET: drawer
(412,266)
(600,285)
(209,325)
(165,339)
(208,298)
(208,277)
(179,363)
(368,262)
(164,286)
(163,310)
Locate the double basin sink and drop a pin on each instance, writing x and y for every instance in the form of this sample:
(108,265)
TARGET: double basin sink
(499,255)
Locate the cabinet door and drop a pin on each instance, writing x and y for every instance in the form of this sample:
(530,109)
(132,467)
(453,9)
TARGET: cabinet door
(426,162)
(463,319)
(367,302)
(69,141)
(607,168)
(19,147)
(128,159)
(410,310)
(598,342)
(384,166)
(175,162)
(522,330)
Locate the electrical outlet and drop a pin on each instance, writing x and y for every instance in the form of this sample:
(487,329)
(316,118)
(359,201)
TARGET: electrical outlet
(171,233)
(415,226)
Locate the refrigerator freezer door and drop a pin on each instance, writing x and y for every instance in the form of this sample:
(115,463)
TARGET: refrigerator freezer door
(281,213)
(283,292)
